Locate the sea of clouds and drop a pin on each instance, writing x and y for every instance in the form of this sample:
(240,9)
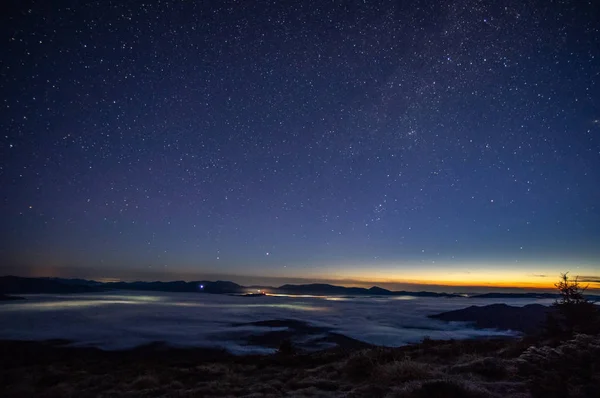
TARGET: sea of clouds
(120,320)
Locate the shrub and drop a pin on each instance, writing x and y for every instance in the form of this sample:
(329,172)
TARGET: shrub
(575,313)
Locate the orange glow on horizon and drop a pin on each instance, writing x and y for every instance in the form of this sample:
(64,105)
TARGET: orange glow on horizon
(472,283)
(532,276)
(483,278)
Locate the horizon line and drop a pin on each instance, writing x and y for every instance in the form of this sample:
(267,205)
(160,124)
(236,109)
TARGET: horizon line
(347,283)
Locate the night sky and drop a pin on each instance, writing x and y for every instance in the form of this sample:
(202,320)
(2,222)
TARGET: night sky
(447,142)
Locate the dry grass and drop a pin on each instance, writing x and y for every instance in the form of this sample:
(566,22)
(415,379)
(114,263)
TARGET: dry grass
(144,382)
(488,367)
(474,369)
(405,370)
(446,388)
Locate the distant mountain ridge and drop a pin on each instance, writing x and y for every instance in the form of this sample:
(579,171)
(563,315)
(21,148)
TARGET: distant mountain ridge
(527,296)
(6,297)
(15,285)
(517,295)
(326,289)
(217,287)
(22,285)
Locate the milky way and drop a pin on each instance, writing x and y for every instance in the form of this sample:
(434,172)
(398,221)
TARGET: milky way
(323,138)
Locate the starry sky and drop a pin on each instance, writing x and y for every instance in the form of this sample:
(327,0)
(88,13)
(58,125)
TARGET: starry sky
(453,142)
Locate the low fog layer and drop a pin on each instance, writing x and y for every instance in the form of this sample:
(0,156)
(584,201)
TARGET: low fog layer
(124,319)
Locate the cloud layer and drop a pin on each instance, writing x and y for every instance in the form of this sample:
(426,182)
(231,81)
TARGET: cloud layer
(125,319)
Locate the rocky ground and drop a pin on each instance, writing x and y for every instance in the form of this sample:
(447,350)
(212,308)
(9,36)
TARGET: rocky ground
(476,368)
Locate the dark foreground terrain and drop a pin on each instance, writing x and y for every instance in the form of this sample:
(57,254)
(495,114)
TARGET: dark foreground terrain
(476,368)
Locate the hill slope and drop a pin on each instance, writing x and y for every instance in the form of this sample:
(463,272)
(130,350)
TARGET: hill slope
(527,319)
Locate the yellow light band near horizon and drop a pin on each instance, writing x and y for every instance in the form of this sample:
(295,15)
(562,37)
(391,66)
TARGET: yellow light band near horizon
(518,276)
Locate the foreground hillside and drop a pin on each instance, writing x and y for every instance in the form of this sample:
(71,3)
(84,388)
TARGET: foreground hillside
(476,368)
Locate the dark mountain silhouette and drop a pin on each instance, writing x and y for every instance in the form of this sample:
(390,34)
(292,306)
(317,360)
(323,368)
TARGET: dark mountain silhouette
(19,285)
(6,297)
(321,288)
(226,287)
(527,296)
(76,281)
(303,334)
(218,287)
(332,290)
(379,290)
(527,319)
(517,295)
(425,294)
